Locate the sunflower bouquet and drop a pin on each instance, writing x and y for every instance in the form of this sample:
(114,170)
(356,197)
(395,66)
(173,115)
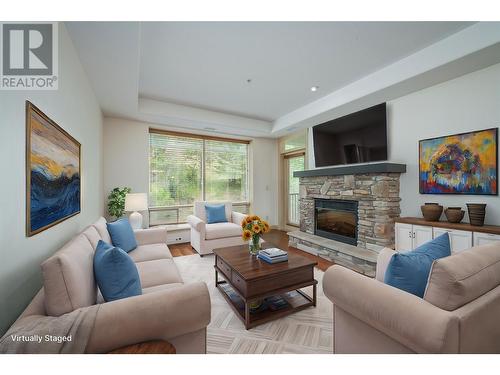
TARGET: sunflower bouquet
(253,228)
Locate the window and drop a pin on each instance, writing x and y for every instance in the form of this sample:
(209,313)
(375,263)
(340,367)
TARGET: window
(292,150)
(293,142)
(185,168)
(294,163)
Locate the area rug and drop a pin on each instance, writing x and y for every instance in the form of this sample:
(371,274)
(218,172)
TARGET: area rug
(308,331)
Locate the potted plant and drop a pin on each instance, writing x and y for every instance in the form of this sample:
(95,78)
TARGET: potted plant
(116,201)
(253,228)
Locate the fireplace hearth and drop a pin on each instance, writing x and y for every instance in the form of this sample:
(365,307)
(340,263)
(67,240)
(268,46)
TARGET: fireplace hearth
(336,220)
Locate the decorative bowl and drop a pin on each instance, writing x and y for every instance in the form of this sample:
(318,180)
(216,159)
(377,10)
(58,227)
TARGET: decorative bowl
(454,214)
(431,211)
(477,212)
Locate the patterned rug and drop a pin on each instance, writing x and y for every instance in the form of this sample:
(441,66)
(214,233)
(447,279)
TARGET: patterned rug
(308,331)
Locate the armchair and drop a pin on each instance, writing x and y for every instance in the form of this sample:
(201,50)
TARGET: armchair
(206,237)
(458,313)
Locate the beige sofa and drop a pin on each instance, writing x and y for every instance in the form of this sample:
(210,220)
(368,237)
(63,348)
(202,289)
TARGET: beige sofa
(458,314)
(206,237)
(168,309)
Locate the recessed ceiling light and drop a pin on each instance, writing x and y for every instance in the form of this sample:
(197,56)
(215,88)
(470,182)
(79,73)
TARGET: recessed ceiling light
(314,88)
(249,80)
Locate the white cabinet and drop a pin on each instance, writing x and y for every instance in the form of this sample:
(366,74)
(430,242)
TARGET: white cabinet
(404,238)
(485,238)
(421,235)
(409,236)
(460,240)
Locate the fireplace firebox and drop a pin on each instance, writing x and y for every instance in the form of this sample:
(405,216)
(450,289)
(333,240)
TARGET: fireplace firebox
(336,220)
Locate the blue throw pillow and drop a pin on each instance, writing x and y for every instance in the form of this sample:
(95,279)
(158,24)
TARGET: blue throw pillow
(115,273)
(216,213)
(122,234)
(409,271)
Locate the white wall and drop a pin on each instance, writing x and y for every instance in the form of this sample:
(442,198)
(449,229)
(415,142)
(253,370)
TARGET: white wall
(265,158)
(470,102)
(467,103)
(75,109)
(126,163)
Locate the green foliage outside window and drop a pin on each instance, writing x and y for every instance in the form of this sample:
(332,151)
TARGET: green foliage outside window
(183,170)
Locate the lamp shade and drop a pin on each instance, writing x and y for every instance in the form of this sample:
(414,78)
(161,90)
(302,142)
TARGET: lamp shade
(136,202)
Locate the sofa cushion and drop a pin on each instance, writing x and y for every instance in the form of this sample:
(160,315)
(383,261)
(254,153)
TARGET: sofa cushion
(463,277)
(159,288)
(409,271)
(122,234)
(216,213)
(199,209)
(92,235)
(158,272)
(115,273)
(68,277)
(222,230)
(156,251)
(100,226)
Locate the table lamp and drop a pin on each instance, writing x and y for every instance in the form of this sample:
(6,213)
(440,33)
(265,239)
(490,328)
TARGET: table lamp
(136,202)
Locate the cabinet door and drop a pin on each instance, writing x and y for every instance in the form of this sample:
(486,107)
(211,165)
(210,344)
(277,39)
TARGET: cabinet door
(485,238)
(421,235)
(460,240)
(403,236)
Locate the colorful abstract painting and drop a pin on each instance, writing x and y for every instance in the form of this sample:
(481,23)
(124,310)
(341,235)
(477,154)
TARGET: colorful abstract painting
(460,164)
(52,172)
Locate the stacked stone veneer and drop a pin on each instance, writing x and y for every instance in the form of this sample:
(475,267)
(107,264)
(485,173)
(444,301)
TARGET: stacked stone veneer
(378,204)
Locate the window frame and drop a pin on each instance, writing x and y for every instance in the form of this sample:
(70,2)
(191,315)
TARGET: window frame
(205,138)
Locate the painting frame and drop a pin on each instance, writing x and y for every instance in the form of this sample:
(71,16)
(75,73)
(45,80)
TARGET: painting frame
(420,162)
(30,111)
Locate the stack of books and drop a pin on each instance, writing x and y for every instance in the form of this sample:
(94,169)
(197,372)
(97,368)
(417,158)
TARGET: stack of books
(273,255)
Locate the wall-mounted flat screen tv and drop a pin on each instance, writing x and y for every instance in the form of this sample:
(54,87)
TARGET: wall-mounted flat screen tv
(359,137)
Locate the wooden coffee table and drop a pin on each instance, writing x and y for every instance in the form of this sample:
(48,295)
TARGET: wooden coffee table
(254,280)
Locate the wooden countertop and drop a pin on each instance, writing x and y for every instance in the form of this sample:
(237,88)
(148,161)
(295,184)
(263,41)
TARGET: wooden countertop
(492,229)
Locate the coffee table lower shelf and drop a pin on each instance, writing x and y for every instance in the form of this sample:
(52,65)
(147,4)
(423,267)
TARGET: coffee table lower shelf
(299,301)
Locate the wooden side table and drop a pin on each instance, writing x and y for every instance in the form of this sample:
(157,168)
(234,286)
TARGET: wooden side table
(148,347)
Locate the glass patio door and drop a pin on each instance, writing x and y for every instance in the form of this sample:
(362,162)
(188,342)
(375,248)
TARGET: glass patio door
(293,163)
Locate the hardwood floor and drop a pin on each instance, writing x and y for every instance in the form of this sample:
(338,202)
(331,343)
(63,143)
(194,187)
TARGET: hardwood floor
(181,249)
(278,238)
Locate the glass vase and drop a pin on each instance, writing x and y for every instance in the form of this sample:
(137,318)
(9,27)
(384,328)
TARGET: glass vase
(254,244)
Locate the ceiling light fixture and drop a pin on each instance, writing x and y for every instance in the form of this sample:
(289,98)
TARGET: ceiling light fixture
(314,88)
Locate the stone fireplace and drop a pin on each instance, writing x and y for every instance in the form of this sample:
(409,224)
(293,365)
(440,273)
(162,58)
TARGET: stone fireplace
(347,213)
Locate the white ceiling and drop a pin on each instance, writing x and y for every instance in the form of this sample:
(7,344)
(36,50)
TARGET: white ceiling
(194,74)
(207,64)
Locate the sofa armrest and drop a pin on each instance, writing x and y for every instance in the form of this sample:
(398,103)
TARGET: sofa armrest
(407,319)
(237,217)
(383,259)
(196,223)
(160,315)
(151,235)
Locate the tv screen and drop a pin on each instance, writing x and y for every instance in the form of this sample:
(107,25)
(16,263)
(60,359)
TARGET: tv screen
(356,138)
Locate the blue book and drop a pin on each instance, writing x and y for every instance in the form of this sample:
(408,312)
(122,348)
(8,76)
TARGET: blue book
(272,261)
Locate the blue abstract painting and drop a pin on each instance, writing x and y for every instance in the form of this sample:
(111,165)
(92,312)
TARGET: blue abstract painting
(53,168)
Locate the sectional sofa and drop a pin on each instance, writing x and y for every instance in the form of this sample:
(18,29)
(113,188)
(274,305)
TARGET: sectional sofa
(168,309)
